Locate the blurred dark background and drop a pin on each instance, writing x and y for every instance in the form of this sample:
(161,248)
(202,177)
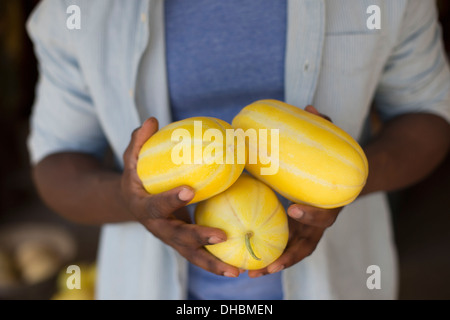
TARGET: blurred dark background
(421,213)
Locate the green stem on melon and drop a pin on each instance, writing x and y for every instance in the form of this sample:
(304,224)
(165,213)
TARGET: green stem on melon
(248,235)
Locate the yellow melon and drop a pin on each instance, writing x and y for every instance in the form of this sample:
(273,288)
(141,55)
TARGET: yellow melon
(192,152)
(316,162)
(253,219)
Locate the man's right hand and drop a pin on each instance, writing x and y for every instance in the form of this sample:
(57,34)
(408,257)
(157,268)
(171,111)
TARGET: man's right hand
(159,213)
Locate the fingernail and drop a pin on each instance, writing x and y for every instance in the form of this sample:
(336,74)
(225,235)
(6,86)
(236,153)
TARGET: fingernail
(229,275)
(185,194)
(149,120)
(276,269)
(296,213)
(215,240)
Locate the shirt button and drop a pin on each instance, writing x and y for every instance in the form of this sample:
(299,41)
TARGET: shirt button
(131,92)
(306,66)
(143,17)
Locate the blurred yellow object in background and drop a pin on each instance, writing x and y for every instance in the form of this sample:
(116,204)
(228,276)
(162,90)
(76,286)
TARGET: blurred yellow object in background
(38,261)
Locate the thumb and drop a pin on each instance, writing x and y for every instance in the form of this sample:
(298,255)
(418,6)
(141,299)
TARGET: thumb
(162,205)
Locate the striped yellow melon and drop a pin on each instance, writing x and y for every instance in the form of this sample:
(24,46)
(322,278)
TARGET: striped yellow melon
(317,163)
(202,141)
(253,219)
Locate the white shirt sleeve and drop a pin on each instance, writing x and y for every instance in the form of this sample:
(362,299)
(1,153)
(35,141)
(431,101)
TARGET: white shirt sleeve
(416,77)
(63,116)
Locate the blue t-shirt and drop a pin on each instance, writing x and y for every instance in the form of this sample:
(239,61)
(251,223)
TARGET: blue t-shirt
(222,56)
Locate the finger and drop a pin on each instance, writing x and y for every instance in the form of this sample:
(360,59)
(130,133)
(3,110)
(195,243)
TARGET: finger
(205,260)
(189,240)
(264,271)
(293,254)
(295,251)
(313,110)
(138,138)
(313,216)
(162,205)
(183,215)
(193,235)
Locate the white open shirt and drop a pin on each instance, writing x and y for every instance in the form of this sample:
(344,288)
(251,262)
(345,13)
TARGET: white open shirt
(86,100)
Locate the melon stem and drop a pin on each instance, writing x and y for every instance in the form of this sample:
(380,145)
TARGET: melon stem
(248,235)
